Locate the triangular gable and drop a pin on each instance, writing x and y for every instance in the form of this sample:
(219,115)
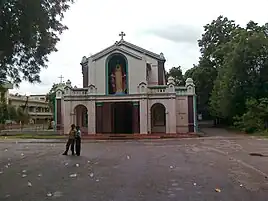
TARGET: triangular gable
(140,50)
(117,45)
(112,49)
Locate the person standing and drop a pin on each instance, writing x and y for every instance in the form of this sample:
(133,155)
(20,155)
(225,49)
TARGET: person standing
(71,140)
(78,141)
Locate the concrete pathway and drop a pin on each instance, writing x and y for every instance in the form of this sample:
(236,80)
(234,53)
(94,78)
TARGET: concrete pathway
(204,169)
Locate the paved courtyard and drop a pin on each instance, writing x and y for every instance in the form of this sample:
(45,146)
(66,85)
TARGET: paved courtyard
(206,169)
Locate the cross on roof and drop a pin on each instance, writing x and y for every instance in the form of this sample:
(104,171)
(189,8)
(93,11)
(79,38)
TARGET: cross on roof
(61,78)
(122,34)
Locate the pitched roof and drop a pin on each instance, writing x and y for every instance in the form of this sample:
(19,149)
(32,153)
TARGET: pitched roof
(114,48)
(129,45)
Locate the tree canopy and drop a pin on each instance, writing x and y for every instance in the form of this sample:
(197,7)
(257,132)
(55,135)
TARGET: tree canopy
(231,76)
(29,32)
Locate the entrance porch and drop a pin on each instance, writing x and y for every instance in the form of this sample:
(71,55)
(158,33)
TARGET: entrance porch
(117,118)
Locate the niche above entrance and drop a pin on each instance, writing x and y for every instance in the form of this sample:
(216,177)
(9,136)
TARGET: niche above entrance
(117,74)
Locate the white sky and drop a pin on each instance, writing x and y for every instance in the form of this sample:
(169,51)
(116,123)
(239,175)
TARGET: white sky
(170,26)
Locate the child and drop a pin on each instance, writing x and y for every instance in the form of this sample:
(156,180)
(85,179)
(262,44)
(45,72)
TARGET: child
(71,140)
(78,141)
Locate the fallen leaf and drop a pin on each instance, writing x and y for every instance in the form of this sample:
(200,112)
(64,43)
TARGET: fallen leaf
(218,190)
(29,184)
(73,175)
(57,194)
(49,194)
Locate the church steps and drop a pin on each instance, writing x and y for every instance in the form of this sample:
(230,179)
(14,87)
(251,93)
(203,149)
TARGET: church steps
(136,136)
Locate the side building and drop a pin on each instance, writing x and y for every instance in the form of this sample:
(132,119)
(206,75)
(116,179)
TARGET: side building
(35,105)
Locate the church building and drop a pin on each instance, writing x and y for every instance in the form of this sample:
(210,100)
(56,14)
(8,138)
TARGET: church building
(125,91)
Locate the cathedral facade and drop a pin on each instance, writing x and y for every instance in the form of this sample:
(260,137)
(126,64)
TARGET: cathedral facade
(125,91)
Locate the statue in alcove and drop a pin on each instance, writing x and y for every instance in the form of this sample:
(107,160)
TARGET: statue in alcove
(118,80)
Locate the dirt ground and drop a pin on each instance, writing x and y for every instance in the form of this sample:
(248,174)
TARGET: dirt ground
(215,168)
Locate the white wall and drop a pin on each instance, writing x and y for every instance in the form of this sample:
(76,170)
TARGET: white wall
(147,59)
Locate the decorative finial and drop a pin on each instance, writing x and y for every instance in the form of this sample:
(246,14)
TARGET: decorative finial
(122,34)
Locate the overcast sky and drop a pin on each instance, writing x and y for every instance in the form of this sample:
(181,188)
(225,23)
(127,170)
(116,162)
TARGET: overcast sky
(171,26)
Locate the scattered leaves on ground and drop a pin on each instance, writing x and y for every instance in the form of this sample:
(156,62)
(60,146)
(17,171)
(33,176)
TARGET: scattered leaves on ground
(49,194)
(30,184)
(73,175)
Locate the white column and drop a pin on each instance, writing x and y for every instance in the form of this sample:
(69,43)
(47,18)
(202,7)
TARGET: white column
(143,116)
(67,118)
(91,118)
(172,115)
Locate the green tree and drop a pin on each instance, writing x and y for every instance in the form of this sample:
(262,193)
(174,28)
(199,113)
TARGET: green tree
(3,106)
(29,32)
(216,34)
(22,116)
(203,79)
(12,113)
(51,96)
(176,73)
(256,116)
(244,74)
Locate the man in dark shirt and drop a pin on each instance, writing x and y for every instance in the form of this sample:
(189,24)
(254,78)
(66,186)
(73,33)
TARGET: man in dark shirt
(71,140)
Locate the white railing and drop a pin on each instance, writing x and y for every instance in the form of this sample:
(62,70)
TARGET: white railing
(157,89)
(40,113)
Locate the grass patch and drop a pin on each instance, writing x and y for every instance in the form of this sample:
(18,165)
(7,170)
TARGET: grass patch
(32,136)
(261,134)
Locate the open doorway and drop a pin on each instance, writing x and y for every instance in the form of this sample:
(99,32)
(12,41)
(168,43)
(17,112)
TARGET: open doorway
(122,118)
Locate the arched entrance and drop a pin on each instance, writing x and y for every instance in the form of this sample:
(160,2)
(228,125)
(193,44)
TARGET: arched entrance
(81,117)
(116,75)
(158,118)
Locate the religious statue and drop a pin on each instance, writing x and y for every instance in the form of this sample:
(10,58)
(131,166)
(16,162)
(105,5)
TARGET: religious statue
(118,80)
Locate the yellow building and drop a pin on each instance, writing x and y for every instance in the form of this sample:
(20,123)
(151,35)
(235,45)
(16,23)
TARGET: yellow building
(36,106)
